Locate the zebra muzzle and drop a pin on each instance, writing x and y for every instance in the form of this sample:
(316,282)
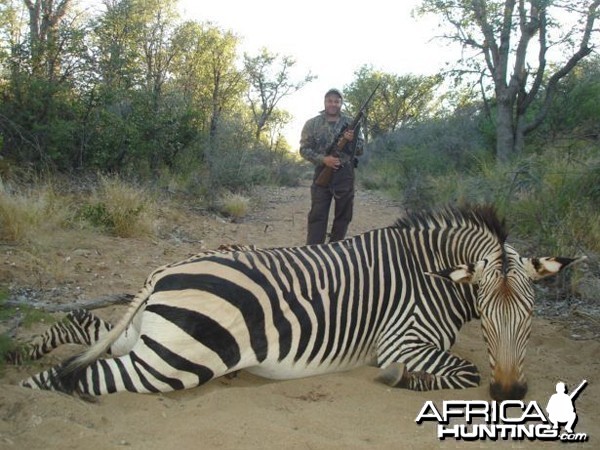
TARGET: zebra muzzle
(513,391)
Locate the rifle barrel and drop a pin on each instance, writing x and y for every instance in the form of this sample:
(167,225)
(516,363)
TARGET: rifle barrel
(578,389)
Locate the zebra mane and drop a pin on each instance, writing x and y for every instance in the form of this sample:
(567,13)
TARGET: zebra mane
(484,216)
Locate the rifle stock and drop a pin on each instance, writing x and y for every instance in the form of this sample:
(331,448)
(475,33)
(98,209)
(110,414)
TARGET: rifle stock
(324,177)
(326,174)
(339,143)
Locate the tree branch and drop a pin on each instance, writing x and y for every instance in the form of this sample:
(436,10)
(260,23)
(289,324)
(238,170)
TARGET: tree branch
(583,51)
(101,302)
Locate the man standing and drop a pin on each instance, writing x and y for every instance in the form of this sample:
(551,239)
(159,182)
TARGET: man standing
(317,135)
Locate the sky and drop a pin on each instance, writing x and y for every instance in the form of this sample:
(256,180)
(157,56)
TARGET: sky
(332,40)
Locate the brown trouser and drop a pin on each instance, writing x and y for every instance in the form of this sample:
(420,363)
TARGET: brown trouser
(319,212)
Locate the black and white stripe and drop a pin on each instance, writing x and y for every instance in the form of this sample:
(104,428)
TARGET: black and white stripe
(281,313)
(77,327)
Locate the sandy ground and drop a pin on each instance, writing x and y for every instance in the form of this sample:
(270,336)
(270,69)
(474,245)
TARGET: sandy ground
(345,410)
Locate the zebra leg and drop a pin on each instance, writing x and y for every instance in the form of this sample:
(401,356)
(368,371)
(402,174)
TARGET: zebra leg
(145,369)
(425,367)
(78,327)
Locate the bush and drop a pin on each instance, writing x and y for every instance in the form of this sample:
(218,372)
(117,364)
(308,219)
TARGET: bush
(408,162)
(120,209)
(556,199)
(551,197)
(236,164)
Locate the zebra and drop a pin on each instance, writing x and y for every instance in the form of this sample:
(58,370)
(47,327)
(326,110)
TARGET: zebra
(81,326)
(395,297)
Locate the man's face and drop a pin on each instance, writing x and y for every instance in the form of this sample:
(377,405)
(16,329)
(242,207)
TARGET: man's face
(333,105)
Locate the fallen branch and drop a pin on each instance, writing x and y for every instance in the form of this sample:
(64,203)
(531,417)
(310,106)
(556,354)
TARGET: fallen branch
(101,302)
(587,316)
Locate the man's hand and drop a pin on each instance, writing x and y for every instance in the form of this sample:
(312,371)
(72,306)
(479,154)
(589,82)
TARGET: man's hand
(349,135)
(332,161)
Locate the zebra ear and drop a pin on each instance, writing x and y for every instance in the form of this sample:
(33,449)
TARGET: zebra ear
(538,268)
(463,273)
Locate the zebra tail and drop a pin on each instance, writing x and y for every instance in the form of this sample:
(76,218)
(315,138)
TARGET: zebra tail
(99,348)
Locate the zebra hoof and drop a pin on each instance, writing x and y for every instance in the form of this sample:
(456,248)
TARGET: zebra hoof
(392,375)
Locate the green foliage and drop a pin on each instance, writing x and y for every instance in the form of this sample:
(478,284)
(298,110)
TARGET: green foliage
(552,199)
(556,199)
(236,164)
(400,101)
(97,214)
(132,91)
(576,107)
(270,81)
(39,124)
(407,162)
(498,39)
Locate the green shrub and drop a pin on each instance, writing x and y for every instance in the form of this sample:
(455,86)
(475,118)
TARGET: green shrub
(549,196)
(120,209)
(407,163)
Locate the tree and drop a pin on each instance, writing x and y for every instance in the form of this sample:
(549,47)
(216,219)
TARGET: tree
(135,52)
(399,100)
(44,19)
(118,55)
(269,79)
(206,71)
(497,39)
(43,59)
(158,50)
(576,110)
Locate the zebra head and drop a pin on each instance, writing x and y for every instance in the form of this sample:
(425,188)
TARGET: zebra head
(504,301)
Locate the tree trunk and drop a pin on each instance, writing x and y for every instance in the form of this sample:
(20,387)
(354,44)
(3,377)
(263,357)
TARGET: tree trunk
(44,19)
(505,136)
(520,132)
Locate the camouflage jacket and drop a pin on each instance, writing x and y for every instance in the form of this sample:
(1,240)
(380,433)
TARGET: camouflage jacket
(317,136)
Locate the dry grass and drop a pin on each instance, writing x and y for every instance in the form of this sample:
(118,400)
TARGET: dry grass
(235,206)
(25,214)
(115,206)
(129,211)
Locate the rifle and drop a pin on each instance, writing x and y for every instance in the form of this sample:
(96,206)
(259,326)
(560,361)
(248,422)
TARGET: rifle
(577,390)
(338,144)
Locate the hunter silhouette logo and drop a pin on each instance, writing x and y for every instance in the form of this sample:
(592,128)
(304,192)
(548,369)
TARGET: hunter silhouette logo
(561,408)
(510,419)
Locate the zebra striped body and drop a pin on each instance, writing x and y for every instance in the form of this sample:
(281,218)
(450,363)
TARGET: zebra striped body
(293,312)
(82,327)
(78,327)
